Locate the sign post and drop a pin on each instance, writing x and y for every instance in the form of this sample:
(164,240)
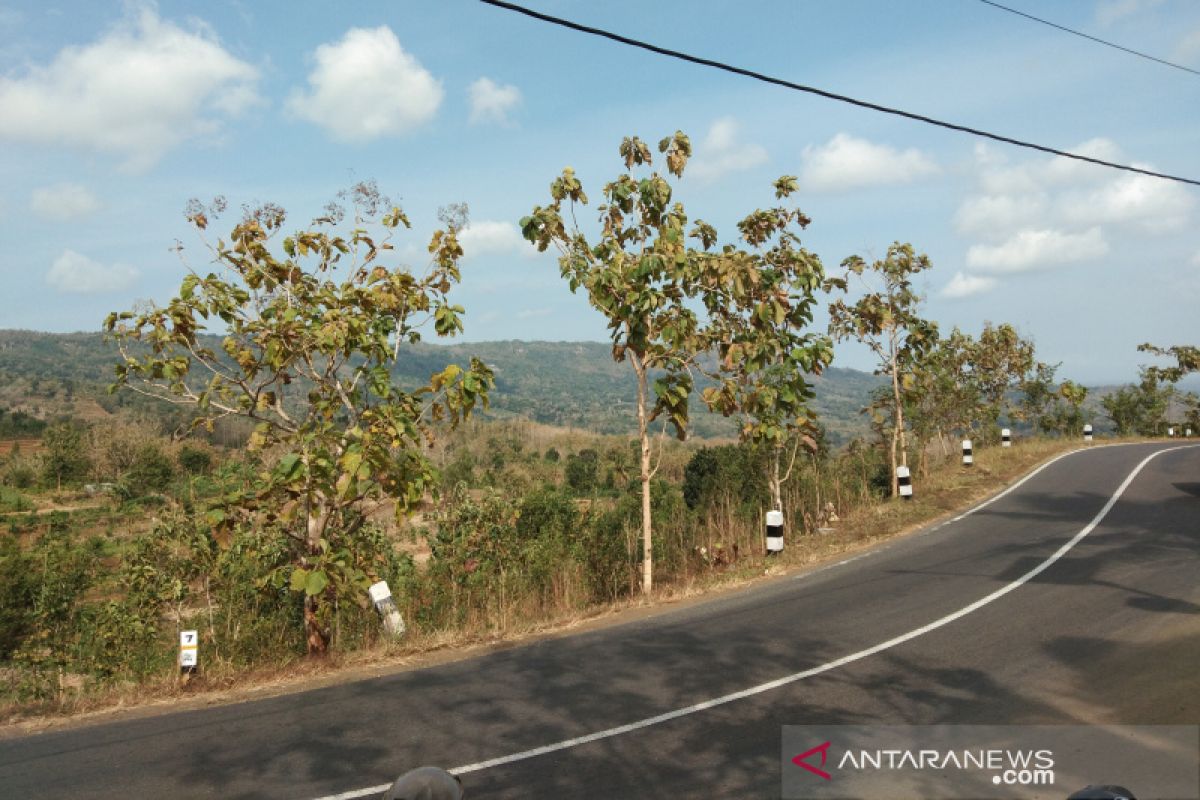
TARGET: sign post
(189,653)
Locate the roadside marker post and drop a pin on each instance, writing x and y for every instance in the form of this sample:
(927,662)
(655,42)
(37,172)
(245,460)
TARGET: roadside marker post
(1171,432)
(1005,437)
(1087,433)
(774,532)
(381,596)
(904,479)
(189,653)
(968,453)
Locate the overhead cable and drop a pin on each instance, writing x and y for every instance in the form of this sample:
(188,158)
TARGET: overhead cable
(1093,38)
(826,94)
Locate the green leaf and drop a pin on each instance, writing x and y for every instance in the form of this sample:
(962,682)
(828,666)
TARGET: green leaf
(316,582)
(290,466)
(299,579)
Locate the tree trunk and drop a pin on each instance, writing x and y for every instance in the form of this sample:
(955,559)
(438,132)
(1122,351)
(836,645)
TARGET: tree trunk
(776,482)
(897,420)
(644,438)
(316,637)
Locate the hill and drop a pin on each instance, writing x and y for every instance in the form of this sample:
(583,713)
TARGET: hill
(571,384)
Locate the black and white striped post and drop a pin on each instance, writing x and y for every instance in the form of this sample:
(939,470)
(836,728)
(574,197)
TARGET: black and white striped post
(774,532)
(1087,433)
(968,454)
(1005,437)
(381,597)
(904,480)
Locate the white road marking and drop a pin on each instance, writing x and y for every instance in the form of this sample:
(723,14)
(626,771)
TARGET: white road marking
(826,667)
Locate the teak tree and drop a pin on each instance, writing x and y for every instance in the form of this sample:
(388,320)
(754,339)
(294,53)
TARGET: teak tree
(306,342)
(1187,360)
(638,274)
(1000,360)
(1074,395)
(760,304)
(1038,396)
(641,274)
(885,319)
(939,395)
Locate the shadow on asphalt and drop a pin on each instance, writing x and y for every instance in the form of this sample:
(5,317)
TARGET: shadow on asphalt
(517,699)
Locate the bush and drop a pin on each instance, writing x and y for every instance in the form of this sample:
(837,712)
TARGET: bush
(581,471)
(150,473)
(20,474)
(194,461)
(732,471)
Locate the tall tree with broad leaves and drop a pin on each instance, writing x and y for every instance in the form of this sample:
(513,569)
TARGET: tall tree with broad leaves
(304,344)
(885,319)
(638,274)
(761,305)
(1071,413)
(999,362)
(650,284)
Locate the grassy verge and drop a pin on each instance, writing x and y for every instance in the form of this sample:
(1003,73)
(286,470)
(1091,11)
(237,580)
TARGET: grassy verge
(949,488)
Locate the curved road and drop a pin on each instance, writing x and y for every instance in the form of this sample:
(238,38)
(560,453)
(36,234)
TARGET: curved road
(1107,632)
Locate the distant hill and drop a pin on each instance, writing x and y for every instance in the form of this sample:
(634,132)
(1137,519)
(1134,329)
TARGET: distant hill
(573,384)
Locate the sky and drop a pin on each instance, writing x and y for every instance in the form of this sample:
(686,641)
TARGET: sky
(114,115)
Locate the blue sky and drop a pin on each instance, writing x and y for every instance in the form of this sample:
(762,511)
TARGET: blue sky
(113,115)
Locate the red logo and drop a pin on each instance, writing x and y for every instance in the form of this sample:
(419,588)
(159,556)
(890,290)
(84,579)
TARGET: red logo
(800,761)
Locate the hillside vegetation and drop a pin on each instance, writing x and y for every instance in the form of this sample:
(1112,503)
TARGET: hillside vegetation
(565,384)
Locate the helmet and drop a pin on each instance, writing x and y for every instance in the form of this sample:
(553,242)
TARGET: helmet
(425,783)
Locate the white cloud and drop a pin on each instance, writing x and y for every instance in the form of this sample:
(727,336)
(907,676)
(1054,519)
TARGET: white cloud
(365,86)
(989,214)
(63,201)
(491,102)
(1196,259)
(721,153)
(1063,170)
(141,90)
(1152,203)
(846,162)
(997,176)
(1110,11)
(1030,249)
(1066,193)
(964,284)
(1188,49)
(534,313)
(489,237)
(78,274)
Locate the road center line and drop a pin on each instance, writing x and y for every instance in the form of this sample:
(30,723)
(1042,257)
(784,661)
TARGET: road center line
(826,667)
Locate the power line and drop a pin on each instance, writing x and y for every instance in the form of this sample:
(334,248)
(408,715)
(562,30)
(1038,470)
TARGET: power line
(1093,38)
(706,62)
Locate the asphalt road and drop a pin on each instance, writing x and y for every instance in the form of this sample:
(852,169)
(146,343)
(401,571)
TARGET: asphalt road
(1107,633)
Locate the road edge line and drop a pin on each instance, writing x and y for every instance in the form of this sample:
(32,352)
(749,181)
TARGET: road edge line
(795,677)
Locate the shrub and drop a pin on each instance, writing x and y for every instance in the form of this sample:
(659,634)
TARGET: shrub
(194,461)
